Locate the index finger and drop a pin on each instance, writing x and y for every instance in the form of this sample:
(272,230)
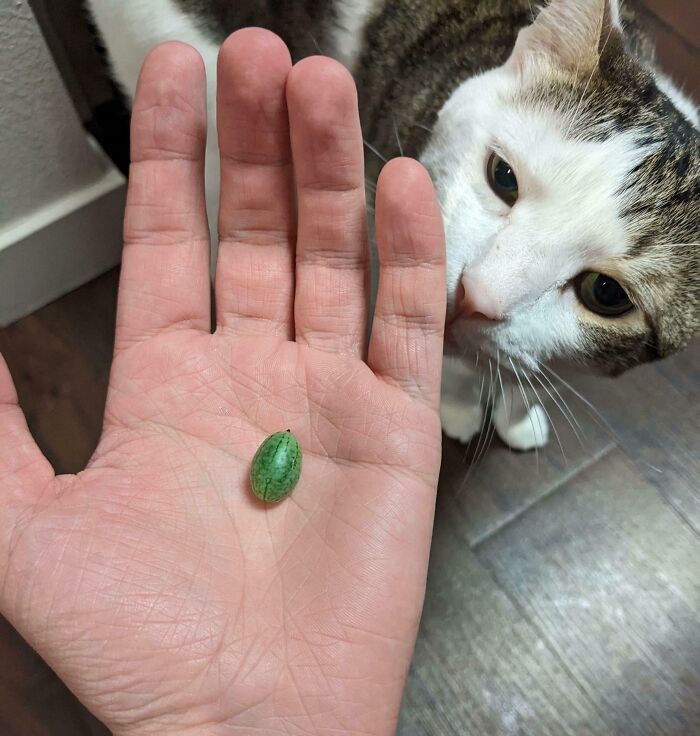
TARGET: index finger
(165,264)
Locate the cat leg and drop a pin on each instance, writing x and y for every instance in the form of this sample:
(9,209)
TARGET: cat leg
(461,412)
(521,426)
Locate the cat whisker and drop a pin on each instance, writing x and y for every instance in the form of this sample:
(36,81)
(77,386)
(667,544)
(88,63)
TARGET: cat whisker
(562,399)
(528,408)
(315,43)
(490,426)
(396,133)
(483,434)
(481,395)
(374,151)
(554,429)
(532,12)
(371,185)
(411,121)
(503,392)
(588,84)
(650,344)
(600,419)
(481,389)
(536,376)
(500,380)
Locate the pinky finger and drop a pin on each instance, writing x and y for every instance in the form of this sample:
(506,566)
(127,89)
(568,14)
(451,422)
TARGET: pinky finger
(408,329)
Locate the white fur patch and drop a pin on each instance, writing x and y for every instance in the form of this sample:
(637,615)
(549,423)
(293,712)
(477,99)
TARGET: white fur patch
(683,104)
(525,433)
(461,410)
(131,28)
(352,17)
(460,420)
(615,13)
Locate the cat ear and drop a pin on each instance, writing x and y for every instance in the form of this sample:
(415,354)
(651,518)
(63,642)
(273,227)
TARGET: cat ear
(571,34)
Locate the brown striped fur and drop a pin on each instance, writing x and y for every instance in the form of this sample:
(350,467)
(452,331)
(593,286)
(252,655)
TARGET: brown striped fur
(417,52)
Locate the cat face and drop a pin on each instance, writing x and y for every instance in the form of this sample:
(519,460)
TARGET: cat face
(569,184)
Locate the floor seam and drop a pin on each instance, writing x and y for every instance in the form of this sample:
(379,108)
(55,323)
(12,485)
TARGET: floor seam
(588,463)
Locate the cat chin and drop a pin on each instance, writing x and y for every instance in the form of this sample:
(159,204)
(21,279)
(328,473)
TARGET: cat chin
(472,354)
(453,350)
(476,354)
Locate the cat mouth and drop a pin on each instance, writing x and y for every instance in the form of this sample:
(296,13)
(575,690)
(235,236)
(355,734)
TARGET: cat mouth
(468,336)
(464,341)
(452,318)
(472,324)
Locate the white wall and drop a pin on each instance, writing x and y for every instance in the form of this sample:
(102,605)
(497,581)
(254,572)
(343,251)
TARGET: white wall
(49,171)
(43,150)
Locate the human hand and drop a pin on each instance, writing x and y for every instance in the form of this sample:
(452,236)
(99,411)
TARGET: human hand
(165,595)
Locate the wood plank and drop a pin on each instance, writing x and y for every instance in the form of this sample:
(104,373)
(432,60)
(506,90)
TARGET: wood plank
(479,667)
(608,574)
(678,60)
(680,17)
(653,412)
(674,26)
(33,701)
(59,358)
(503,484)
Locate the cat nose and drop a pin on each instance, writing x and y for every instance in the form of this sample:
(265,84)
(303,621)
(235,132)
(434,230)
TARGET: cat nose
(476,301)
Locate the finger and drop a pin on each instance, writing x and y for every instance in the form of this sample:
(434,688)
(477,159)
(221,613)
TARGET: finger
(165,266)
(255,267)
(24,471)
(407,331)
(330,309)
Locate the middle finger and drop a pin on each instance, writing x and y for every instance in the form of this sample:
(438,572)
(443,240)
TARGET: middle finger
(330,307)
(255,265)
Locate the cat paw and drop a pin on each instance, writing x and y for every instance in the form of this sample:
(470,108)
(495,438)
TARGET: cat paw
(460,421)
(527,433)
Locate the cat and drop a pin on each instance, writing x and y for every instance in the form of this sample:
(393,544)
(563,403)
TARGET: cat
(566,164)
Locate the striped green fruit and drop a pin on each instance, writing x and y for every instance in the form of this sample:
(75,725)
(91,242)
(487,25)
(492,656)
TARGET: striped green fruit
(276,467)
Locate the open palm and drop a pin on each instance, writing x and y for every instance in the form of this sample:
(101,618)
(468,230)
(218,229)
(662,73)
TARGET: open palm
(165,595)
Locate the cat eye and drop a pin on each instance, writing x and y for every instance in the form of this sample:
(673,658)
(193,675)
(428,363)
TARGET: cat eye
(603,295)
(502,179)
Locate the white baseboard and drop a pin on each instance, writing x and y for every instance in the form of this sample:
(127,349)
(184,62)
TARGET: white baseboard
(61,246)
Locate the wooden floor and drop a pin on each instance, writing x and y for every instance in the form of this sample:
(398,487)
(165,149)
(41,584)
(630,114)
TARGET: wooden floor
(564,588)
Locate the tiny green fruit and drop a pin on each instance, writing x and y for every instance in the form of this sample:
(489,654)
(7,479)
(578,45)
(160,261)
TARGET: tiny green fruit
(276,467)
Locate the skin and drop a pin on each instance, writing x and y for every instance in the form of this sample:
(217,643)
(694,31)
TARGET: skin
(165,595)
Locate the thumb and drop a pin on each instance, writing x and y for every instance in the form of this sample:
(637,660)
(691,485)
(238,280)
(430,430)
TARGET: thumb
(24,471)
